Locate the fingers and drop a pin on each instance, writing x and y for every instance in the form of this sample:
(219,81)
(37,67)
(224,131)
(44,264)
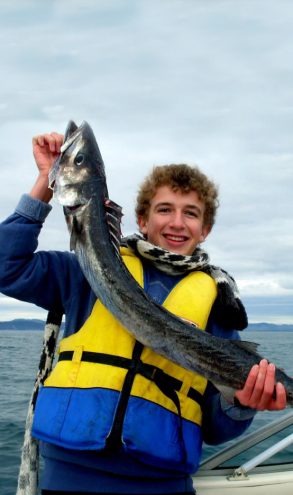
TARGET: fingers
(46,148)
(264,387)
(251,381)
(244,395)
(281,398)
(260,391)
(53,141)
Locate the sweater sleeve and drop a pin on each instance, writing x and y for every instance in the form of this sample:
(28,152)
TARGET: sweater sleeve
(223,421)
(42,278)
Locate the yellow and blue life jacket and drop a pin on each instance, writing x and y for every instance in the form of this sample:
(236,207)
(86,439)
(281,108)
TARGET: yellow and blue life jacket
(108,391)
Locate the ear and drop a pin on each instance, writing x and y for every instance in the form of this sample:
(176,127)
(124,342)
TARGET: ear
(205,232)
(142,223)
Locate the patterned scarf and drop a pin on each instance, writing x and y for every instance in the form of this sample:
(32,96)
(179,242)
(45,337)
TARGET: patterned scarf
(228,309)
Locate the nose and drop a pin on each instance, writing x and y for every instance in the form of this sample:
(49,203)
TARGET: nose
(177,220)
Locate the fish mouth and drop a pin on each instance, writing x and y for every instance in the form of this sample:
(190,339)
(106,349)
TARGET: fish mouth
(73,209)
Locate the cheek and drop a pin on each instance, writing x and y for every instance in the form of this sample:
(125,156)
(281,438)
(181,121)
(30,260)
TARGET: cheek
(153,230)
(154,224)
(195,228)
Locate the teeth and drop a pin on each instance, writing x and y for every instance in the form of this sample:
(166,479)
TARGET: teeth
(175,238)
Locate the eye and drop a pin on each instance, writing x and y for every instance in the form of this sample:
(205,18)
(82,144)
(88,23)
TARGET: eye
(163,209)
(79,159)
(191,213)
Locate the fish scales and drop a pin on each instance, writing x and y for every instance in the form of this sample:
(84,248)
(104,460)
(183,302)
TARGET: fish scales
(80,186)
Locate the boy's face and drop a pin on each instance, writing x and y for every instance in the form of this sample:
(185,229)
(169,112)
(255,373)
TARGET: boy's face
(175,221)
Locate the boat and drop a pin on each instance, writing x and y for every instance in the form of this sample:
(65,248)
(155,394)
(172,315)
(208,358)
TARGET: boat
(237,469)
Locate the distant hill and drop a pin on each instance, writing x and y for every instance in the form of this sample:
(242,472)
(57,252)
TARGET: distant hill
(269,327)
(22,324)
(34,324)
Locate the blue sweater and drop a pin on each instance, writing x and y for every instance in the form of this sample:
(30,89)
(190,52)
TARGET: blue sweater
(53,280)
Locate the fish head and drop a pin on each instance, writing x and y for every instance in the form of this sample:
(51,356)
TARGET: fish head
(79,168)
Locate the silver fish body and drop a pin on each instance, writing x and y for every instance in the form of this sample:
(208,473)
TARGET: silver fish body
(94,225)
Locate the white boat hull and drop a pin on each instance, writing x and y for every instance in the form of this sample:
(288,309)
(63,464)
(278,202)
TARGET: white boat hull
(279,482)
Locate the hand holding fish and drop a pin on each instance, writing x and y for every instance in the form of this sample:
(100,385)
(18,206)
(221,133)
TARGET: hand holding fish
(260,391)
(46,148)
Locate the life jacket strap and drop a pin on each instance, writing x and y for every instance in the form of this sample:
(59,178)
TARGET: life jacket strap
(164,381)
(114,439)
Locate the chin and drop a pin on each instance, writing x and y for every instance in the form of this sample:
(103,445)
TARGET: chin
(184,252)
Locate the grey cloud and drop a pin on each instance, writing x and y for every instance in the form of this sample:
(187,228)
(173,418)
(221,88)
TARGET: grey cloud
(201,82)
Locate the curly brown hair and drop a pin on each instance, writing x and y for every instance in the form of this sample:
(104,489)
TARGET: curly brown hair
(179,177)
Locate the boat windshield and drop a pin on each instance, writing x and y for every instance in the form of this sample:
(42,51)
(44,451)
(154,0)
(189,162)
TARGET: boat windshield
(269,443)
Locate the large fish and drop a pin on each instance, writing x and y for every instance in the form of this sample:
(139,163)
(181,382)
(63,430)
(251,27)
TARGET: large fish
(79,183)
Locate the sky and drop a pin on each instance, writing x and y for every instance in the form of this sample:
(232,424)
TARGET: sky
(203,82)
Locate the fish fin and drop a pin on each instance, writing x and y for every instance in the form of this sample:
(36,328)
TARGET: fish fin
(53,173)
(248,346)
(75,232)
(113,216)
(70,129)
(73,239)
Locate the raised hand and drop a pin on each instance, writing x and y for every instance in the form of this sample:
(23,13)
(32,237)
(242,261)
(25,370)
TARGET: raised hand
(46,148)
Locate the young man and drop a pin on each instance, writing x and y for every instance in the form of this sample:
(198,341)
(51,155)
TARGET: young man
(163,423)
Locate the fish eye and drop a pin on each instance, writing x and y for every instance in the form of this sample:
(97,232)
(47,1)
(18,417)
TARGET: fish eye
(79,159)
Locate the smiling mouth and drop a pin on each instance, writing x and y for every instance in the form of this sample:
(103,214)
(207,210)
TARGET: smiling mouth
(175,238)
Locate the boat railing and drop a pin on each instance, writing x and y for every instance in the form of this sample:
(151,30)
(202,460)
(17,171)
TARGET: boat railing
(250,440)
(244,469)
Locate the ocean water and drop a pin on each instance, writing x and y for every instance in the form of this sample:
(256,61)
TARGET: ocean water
(19,358)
